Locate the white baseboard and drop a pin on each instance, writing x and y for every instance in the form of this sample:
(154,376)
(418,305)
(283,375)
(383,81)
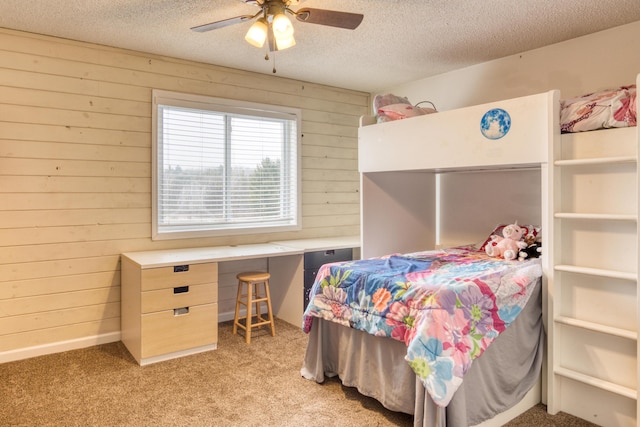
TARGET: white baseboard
(58,347)
(229,315)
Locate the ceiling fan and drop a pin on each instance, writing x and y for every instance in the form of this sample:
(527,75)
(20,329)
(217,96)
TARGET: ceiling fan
(275,28)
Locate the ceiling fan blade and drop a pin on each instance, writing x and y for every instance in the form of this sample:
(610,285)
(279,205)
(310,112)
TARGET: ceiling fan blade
(223,23)
(332,18)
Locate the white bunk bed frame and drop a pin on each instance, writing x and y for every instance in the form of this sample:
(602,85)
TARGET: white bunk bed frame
(435,181)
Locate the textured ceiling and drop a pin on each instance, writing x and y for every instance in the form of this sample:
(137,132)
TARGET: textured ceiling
(398,40)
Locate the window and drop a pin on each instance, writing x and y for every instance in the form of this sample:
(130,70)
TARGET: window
(223,167)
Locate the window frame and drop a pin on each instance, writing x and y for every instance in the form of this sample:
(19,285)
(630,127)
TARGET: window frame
(222,105)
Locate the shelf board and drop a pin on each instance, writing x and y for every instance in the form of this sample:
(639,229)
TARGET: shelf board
(596,216)
(598,383)
(610,330)
(596,161)
(597,272)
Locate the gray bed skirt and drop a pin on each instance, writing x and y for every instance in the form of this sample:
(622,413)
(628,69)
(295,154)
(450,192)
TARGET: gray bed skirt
(496,381)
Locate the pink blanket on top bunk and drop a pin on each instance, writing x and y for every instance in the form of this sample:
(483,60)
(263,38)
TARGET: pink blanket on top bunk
(600,110)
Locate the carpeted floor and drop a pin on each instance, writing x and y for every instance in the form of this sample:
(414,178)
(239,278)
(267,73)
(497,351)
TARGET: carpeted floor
(236,385)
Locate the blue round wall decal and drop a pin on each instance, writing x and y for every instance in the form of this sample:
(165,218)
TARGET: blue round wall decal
(495,123)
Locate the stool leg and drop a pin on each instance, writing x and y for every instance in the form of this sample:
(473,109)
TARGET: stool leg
(249,310)
(269,311)
(237,315)
(258,296)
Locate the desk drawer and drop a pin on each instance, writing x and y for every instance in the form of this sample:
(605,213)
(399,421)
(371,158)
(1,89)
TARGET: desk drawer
(182,296)
(179,275)
(314,260)
(167,332)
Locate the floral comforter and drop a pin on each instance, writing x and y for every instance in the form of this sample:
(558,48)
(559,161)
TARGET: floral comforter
(447,306)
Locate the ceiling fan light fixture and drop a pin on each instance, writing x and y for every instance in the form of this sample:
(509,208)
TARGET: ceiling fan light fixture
(285,42)
(282,27)
(257,34)
(275,28)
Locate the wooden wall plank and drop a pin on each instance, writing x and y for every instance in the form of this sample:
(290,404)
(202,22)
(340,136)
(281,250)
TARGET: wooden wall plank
(47,99)
(72,151)
(76,233)
(21,167)
(69,217)
(335,175)
(316,151)
(59,284)
(333,220)
(72,184)
(59,301)
(328,164)
(327,198)
(47,201)
(328,187)
(331,209)
(49,319)
(62,133)
(63,267)
(52,116)
(73,85)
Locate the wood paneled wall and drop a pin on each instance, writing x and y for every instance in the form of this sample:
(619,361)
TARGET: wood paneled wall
(75,176)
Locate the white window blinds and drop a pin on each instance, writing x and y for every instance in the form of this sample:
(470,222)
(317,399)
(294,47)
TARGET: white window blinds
(223,167)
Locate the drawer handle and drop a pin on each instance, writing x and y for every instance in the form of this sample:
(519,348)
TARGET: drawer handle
(181,290)
(180,268)
(330,252)
(180,311)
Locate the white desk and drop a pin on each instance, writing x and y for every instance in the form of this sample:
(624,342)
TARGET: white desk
(285,263)
(169,257)
(311,245)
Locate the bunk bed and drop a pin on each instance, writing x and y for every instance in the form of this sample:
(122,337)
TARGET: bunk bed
(419,176)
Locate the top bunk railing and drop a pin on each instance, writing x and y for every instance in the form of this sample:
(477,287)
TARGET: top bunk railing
(512,133)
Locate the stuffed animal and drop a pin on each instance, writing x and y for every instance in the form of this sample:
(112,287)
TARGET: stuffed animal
(389,107)
(533,249)
(509,246)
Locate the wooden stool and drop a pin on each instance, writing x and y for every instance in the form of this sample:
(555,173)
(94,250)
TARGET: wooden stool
(252,297)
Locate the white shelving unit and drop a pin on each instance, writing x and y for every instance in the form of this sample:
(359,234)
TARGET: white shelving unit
(593,276)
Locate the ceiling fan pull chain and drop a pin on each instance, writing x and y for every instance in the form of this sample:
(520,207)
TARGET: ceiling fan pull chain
(266,58)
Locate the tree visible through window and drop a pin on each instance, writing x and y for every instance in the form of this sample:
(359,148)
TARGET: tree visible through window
(223,167)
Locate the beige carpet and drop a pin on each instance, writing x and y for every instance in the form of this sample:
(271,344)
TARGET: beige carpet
(236,385)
